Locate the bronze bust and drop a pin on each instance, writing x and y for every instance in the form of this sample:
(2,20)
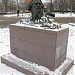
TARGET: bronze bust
(36,8)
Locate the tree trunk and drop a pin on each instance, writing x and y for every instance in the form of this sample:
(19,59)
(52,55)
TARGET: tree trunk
(6,9)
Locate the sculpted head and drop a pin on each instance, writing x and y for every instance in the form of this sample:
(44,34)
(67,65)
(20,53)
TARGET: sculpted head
(36,8)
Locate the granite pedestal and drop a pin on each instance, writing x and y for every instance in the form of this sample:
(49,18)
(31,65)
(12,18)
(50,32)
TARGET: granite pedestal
(46,47)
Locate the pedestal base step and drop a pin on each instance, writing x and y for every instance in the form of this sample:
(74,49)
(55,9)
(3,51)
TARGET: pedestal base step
(16,63)
(65,67)
(33,69)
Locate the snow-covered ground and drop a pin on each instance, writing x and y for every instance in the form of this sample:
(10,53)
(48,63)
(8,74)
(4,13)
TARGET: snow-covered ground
(5,49)
(20,15)
(5,44)
(64,15)
(71,40)
(28,14)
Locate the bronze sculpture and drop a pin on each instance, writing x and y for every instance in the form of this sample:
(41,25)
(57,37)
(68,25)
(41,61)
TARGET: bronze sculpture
(36,8)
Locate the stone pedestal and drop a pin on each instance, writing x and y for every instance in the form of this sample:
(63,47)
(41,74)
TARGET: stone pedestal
(46,47)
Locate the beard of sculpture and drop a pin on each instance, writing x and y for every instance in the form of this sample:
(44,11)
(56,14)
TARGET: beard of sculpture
(36,9)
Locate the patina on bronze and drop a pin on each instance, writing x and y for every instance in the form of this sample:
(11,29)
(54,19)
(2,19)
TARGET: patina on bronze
(36,8)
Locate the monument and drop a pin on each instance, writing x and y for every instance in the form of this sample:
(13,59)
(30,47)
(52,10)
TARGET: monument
(41,42)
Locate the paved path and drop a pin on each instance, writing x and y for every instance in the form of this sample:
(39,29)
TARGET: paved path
(65,19)
(9,20)
(12,18)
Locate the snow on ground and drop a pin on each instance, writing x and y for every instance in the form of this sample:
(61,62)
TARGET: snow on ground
(64,15)
(5,49)
(20,15)
(4,41)
(56,15)
(70,40)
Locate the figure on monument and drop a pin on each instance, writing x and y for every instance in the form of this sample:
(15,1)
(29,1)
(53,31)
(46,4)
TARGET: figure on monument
(36,8)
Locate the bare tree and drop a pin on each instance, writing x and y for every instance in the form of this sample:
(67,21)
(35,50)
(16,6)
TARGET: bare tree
(5,2)
(9,5)
(12,6)
(50,6)
(23,6)
(74,5)
(63,5)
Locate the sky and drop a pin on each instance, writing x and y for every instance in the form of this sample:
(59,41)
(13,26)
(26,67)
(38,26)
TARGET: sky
(45,1)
